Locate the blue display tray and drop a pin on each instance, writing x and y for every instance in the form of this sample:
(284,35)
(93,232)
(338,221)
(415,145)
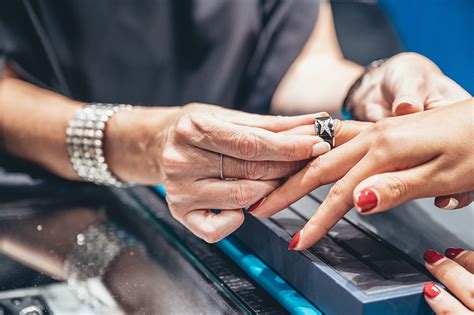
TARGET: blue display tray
(320,283)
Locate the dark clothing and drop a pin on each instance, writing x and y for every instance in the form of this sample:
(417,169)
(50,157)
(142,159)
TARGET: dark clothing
(231,53)
(159,52)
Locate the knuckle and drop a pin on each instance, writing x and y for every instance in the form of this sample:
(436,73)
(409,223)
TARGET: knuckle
(379,155)
(210,234)
(290,152)
(397,187)
(247,145)
(315,168)
(389,139)
(341,192)
(173,162)
(255,170)
(183,128)
(381,126)
(242,195)
(176,200)
(338,190)
(318,164)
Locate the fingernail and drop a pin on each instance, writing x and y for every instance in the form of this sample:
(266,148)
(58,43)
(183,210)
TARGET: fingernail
(405,108)
(452,204)
(432,256)
(453,252)
(366,200)
(321,148)
(294,241)
(406,105)
(431,290)
(256,205)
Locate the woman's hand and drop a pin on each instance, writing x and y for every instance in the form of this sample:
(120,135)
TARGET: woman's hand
(258,151)
(406,83)
(455,271)
(256,154)
(395,160)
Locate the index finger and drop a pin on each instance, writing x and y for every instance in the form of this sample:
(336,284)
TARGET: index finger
(337,203)
(249,143)
(324,170)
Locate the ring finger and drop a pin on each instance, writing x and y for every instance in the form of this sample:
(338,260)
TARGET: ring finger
(210,167)
(228,195)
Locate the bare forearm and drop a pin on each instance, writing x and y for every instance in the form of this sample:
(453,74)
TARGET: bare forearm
(320,77)
(33,124)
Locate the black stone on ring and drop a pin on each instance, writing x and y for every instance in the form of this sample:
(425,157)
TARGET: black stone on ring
(324,127)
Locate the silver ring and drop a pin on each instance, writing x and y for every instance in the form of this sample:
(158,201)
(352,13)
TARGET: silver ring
(324,127)
(221,166)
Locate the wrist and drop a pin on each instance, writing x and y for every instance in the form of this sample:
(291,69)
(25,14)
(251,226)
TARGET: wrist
(132,140)
(356,96)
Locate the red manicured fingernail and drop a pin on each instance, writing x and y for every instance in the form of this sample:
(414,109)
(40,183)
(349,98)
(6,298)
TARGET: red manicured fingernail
(432,256)
(294,241)
(255,205)
(366,200)
(453,252)
(431,290)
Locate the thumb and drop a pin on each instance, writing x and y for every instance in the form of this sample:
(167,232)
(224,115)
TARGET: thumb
(407,104)
(211,226)
(408,96)
(387,190)
(456,201)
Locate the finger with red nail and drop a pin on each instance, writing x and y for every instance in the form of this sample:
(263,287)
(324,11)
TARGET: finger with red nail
(452,272)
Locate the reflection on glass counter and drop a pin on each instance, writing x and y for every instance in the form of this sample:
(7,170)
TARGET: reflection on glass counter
(114,257)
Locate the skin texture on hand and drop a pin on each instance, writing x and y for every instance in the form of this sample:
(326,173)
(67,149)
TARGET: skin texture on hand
(407,83)
(455,271)
(385,165)
(258,151)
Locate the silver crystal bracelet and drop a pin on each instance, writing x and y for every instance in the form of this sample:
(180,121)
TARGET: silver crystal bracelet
(85,141)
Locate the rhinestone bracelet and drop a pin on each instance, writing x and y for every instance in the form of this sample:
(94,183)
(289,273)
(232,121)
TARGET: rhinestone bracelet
(84,140)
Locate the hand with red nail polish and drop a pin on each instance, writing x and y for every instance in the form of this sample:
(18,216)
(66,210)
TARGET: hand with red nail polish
(205,144)
(294,241)
(432,257)
(455,271)
(366,200)
(385,165)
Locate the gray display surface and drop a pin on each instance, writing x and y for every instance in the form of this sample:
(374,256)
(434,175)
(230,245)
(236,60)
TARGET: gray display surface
(365,264)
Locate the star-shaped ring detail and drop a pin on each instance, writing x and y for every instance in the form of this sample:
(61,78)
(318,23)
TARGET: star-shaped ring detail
(324,127)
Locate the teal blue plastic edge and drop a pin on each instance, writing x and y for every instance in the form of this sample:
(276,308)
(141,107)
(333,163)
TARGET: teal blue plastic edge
(346,114)
(261,273)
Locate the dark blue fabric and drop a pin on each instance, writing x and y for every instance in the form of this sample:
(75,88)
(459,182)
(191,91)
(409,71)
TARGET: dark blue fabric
(153,52)
(159,52)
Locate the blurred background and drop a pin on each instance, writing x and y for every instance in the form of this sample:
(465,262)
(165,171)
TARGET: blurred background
(442,30)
